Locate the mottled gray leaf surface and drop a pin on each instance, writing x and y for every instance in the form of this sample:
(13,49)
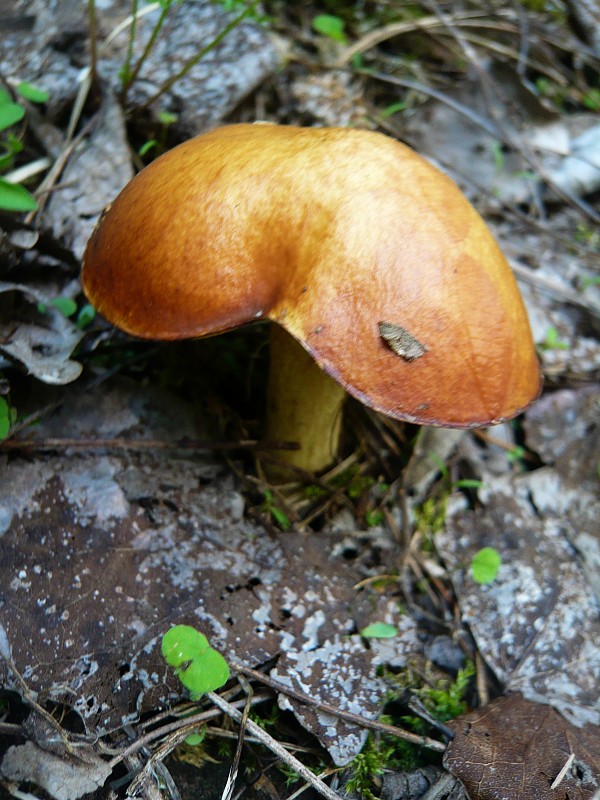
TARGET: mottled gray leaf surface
(538,624)
(42,341)
(39,48)
(351,684)
(206,94)
(101,553)
(64,777)
(94,175)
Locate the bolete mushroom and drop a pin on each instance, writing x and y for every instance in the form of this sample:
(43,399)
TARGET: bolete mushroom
(381,278)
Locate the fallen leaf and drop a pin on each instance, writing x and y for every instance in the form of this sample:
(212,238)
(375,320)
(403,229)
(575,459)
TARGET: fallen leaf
(101,552)
(514,749)
(537,624)
(42,342)
(64,777)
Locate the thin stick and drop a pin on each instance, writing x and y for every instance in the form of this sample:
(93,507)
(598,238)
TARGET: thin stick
(235,764)
(39,445)
(560,777)
(93,27)
(179,726)
(199,56)
(554,289)
(28,695)
(348,716)
(274,746)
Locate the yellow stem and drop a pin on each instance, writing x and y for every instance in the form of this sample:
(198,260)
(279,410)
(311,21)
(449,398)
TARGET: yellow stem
(304,405)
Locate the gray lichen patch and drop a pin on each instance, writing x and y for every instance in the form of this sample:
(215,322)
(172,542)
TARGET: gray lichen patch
(341,674)
(94,491)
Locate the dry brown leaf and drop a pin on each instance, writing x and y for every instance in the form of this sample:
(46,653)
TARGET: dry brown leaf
(514,749)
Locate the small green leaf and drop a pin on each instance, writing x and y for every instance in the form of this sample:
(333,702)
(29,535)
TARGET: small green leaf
(591,99)
(374,517)
(6,418)
(15,198)
(6,161)
(552,341)
(586,282)
(331,26)
(199,667)
(182,644)
(167,117)
(281,518)
(194,739)
(66,305)
(394,108)
(207,672)
(85,316)
(467,483)
(10,114)
(30,92)
(485,565)
(516,453)
(146,147)
(379,630)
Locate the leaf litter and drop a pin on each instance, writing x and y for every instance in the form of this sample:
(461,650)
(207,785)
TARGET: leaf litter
(100,554)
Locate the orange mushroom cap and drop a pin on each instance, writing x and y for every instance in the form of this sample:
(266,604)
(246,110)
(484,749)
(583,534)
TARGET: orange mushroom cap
(363,251)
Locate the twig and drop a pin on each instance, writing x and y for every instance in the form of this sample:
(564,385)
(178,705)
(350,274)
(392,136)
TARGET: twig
(347,716)
(27,171)
(39,445)
(58,166)
(416,86)
(198,57)
(480,680)
(235,764)
(440,789)
(132,75)
(158,756)
(373,38)
(561,775)
(187,724)
(276,748)
(27,694)
(489,86)
(93,28)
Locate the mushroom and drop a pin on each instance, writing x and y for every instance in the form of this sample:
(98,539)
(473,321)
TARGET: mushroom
(382,279)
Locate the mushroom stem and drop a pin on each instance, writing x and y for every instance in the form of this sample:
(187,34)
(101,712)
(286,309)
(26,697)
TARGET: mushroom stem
(304,405)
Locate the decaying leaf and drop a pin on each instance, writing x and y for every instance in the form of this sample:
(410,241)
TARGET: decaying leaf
(64,777)
(42,341)
(537,624)
(514,749)
(92,178)
(351,686)
(102,552)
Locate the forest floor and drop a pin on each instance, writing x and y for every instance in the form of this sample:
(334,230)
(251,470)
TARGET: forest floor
(364,636)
